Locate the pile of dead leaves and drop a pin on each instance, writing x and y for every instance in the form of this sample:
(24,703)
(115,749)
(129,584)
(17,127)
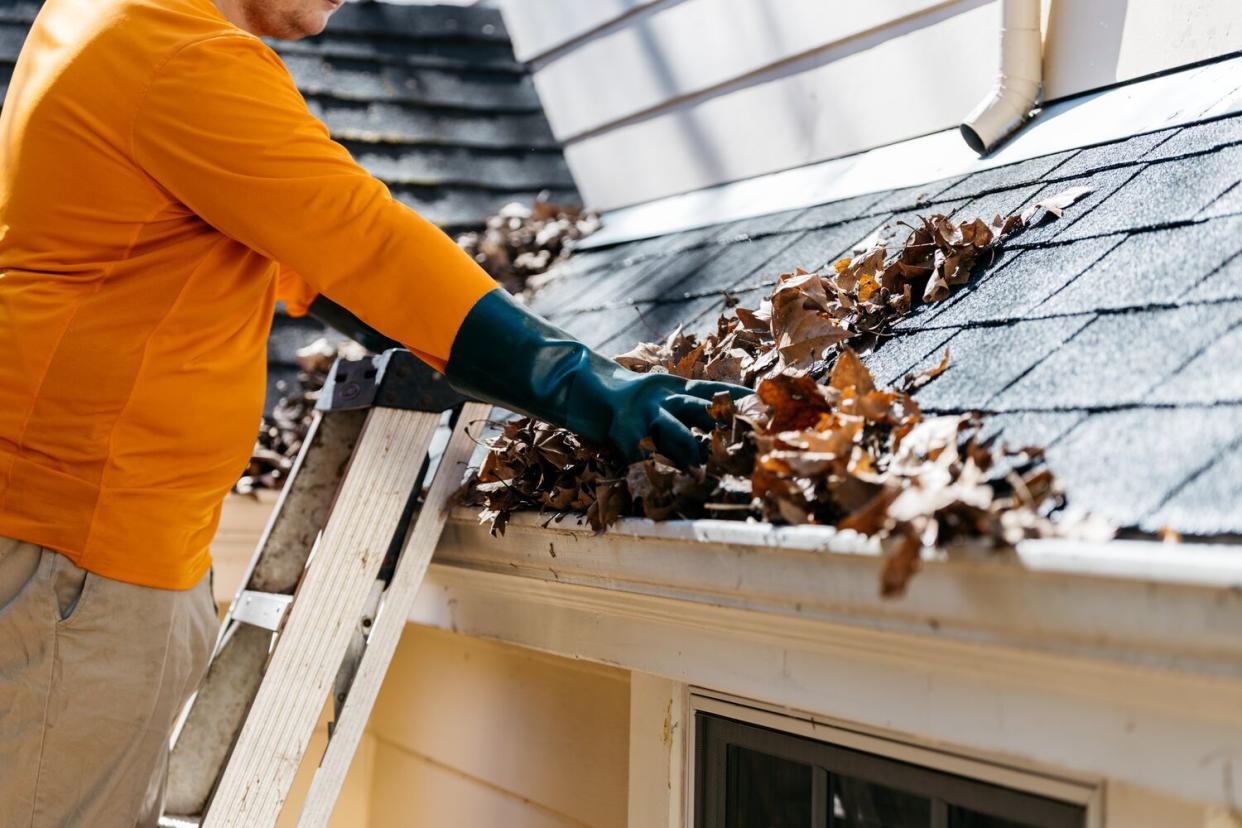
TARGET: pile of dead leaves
(521,242)
(281,434)
(818,442)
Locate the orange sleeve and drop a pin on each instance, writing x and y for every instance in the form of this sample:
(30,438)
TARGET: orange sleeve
(293,291)
(224,130)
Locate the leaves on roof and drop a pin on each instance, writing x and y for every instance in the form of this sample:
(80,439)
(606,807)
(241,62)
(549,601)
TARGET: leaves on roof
(819,442)
(521,242)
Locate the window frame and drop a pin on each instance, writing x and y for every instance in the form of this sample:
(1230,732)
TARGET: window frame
(950,777)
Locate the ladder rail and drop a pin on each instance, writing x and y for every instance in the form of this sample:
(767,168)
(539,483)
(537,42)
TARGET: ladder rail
(213,716)
(397,602)
(308,653)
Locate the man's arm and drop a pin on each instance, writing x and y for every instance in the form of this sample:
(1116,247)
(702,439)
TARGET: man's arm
(224,130)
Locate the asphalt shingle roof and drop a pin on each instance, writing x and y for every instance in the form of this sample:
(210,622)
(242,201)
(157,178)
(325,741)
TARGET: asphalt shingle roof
(1112,336)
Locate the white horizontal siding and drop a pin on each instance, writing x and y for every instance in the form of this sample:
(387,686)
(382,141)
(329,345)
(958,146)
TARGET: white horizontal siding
(696,45)
(539,26)
(1095,43)
(839,103)
(658,97)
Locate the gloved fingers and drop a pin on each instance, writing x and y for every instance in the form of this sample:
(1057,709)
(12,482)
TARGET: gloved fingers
(690,410)
(705,390)
(674,440)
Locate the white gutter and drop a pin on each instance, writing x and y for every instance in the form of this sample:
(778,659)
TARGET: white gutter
(1008,106)
(1175,606)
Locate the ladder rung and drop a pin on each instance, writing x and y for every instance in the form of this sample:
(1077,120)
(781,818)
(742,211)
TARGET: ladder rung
(261,609)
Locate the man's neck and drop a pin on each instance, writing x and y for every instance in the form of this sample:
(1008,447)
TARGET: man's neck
(235,14)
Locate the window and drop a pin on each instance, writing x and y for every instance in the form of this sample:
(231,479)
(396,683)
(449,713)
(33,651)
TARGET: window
(752,777)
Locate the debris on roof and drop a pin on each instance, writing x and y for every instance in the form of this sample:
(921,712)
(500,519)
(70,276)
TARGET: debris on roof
(819,442)
(521,242)
(1111,336)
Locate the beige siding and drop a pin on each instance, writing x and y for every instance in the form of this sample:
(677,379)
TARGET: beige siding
(470,732)
(696,45)
(1100,42)
(658,98)
(540,26)
(836,105)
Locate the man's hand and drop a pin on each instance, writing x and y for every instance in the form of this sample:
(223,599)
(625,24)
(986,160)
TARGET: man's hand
(506,355)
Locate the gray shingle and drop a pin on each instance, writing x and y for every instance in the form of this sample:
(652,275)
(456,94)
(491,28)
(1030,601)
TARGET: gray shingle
(1102,183)
(1210,503)
(1012,291)
(447,52)
(928,315)
(990,205)
(759,225)
(1112,154)
(1163,193)
(811,251)
(1210,377)
(652,322)
(597,328)
(611,286)
(1225,283)
(464,207)
(834,212)
(421,22)
(1228,203)
(398,122)
(1152,268)
(1199,138)
(896,355)
(1121,465)
(908,198)
(367,80)
(1119,358)
(983,361)
(411,164)
(1018,430)
(700,271)
(1010,175)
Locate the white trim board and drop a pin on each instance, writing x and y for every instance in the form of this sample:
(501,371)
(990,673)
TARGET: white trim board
(1173,99)
(1176,607)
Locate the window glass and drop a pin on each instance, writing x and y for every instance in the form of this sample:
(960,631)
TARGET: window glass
(965,818)
(767,791)
(858,804)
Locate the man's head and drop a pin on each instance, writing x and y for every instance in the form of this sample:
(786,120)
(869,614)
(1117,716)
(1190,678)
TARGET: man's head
(281,19)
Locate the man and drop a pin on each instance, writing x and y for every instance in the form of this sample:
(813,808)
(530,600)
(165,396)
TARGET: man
(161,183)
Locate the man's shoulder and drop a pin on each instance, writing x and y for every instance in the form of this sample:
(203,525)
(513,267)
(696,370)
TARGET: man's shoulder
(145,32)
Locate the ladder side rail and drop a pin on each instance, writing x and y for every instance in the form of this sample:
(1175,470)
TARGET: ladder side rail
(326,606)
(386,629)
(213,717)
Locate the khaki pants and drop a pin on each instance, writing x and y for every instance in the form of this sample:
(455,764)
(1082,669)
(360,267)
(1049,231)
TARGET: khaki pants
(93,673)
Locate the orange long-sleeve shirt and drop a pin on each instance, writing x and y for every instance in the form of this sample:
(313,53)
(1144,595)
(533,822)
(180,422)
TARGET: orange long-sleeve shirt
(156,163)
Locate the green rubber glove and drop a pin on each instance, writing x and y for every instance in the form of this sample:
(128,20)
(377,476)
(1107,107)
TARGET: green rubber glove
(506,355)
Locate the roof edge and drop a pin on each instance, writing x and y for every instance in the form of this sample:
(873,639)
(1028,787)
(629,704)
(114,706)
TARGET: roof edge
(1168,605)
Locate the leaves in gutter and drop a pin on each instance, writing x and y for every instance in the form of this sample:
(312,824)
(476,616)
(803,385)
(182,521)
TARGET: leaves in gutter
(819,442)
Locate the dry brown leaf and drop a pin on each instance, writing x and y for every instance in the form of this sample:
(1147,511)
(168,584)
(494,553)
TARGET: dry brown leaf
(1053,205)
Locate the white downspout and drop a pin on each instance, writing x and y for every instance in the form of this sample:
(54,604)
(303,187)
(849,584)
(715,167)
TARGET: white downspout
(1018,87)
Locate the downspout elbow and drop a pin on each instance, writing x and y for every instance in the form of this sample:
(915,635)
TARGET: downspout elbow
(1020,82)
